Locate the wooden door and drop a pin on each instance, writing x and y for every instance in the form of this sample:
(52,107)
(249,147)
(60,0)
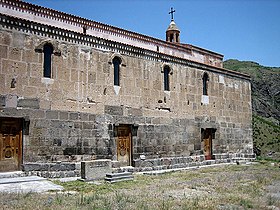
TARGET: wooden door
(207,139)
(124,145)
(10,144)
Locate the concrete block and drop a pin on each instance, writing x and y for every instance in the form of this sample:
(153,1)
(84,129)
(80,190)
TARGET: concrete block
(95,169)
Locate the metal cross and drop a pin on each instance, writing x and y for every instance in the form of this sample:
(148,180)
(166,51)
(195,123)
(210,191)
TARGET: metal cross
(171,12)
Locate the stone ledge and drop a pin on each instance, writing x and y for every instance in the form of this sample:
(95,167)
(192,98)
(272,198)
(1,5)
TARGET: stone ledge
(54,174)
(63,166)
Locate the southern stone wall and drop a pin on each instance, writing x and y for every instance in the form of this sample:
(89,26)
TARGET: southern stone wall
(72,114)
(53,136)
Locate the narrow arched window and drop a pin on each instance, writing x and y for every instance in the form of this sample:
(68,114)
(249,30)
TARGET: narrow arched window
(205,80)
(166,72)
(117,63)
(48,51)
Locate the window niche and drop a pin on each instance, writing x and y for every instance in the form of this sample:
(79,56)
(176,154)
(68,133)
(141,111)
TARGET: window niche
(117,62)
(205,97)
(205,80)
(48,49)
(166,79)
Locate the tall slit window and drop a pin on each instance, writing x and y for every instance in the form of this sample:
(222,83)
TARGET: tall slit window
(48,51)
(205,80)
(117,63)
(166,72)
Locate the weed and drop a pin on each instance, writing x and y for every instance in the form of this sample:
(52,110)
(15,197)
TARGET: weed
(58,199)
(247,204)
(272,201)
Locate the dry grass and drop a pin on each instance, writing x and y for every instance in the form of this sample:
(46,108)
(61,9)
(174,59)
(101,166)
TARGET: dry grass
(226,187)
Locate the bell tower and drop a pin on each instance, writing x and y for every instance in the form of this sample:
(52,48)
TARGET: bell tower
(172,32)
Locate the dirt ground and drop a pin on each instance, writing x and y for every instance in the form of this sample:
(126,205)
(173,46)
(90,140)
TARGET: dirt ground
(248,186)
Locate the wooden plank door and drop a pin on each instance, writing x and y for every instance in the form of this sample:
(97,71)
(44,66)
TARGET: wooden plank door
(207,139)
(124,145)
(10,144)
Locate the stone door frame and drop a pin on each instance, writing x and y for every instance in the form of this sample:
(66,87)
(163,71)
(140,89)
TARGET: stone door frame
(11,144)
(207,135)
(124,144)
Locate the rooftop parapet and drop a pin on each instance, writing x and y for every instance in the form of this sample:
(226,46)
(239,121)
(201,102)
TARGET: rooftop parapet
(74,23)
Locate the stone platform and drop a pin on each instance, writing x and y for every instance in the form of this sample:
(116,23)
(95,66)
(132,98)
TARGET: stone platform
(17,182)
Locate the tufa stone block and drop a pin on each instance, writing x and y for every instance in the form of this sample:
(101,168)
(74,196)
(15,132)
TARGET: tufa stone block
(29,103)
(50,114)
(11,101)
(114,110)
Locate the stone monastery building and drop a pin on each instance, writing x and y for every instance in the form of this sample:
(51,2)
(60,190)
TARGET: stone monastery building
(76,90)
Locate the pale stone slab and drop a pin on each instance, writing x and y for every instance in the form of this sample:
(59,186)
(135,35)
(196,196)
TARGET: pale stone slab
(205,99)
(95,169)
(21,179)
(27,184)
(32,186)
(11,101)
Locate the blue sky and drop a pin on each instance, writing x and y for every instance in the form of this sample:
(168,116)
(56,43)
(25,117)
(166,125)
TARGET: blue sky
(238,29)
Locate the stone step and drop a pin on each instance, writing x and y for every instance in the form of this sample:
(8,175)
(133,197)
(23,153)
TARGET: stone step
(12,174)
(118,180)
(21,179)
(119,174)
(118,177)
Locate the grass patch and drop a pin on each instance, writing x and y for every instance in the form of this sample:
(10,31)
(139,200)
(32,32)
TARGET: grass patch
(225,187)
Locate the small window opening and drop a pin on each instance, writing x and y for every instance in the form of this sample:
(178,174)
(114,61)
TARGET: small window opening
(177,37)
(166,78)
(117,62)
(48,51)
(171,38)
(13,83)
(84,30)
(205,80)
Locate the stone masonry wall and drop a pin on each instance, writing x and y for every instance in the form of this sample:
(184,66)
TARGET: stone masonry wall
(72,114)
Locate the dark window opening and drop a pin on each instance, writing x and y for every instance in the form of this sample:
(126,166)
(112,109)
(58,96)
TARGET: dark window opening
(171,38)
(205,80)
(117,62)
(177,37)
(48,51)
(84,30)
(166,78)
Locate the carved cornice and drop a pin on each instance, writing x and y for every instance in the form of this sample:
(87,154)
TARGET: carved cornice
(63,35)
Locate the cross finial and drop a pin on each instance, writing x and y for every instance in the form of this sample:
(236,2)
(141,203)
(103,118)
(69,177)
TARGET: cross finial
(171,12)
